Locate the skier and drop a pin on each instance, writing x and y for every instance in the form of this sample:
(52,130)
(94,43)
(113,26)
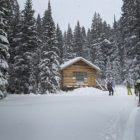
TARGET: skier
(110,88)
(128,88)
(138,87)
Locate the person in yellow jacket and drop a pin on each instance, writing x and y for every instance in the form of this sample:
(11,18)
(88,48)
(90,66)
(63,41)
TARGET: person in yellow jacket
(128,88)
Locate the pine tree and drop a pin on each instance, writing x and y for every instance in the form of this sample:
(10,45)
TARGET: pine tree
(32,40)
(129,38)
(13,13)
(44,21)
(96,27)
(127,17)
(115,24)
(89,40)
(78,40)
(38,52)
(137,19)
(84,44)
(101,46)
(125,65)
(39,26)
(117,52)
(96,33)
(106,30)
(117,69)
(64,46)
(14,39)
(135,67)
(59,39)
(70,54)
(26,52)
(99,60)
(49,65)
(4,46)
(109,72)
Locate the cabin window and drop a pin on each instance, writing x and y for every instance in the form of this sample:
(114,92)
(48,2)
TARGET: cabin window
(79,76)
(85,75)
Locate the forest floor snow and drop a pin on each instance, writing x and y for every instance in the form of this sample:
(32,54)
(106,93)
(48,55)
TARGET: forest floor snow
(82,114)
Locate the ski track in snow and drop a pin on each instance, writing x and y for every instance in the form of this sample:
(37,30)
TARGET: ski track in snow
(117,131)
(129,133)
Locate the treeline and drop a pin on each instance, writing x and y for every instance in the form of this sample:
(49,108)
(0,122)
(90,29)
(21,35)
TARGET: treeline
(37,47)
(34,63)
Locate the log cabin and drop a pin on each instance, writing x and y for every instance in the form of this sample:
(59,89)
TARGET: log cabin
(78,72)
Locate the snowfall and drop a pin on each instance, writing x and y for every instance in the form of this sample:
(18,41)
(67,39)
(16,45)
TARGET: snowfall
(81,114)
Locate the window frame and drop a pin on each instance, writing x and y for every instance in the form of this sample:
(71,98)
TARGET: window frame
(85,75)
(79,76)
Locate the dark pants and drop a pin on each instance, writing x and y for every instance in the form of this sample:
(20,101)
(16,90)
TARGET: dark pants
(139,95)
(136,91)
(111,91)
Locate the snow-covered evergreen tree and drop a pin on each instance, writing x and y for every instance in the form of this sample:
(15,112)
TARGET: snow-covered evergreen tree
(96,27)
(109,72)
(96,31)
(89,45)
(100,45)
(137,18)
(70,54)
(117,52)
(37,58)
(99,60)
(14,39)
(59,38)
(49,65)
(26,52)
(4,47)
(78,40)
(85,47)
(115,24)
(129,30)
(135,67)
(117,69)
(64,46)
(39,26)
(13,13)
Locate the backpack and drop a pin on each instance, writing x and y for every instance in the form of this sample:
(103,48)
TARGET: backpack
(112,84)
(108,85)
(138,84)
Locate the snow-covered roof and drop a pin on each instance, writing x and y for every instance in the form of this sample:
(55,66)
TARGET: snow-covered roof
(70,62)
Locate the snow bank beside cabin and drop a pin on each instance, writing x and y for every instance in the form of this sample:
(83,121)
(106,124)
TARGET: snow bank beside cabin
(87,91)
(90,91)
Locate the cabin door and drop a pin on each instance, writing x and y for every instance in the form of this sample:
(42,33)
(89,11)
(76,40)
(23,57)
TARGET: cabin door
(91,80)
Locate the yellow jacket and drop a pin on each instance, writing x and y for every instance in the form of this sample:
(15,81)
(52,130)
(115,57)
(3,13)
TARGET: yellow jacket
(127,84)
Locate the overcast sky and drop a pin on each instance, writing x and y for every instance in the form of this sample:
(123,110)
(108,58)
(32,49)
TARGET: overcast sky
(69,11)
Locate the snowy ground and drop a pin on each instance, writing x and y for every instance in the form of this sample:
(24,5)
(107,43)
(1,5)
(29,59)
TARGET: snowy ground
(83,114)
